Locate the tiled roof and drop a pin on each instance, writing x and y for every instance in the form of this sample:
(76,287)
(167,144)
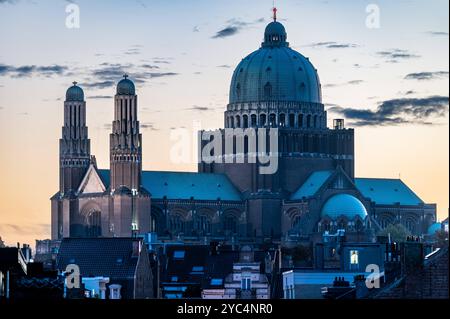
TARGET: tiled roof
(184,185)
(312,185)
(387,191)
(108,257)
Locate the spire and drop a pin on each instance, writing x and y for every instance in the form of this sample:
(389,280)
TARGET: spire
(274,12)
(125,76)
(74,83)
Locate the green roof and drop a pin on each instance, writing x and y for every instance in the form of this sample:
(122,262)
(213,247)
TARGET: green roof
(387,191)
(312,185)
(184,185)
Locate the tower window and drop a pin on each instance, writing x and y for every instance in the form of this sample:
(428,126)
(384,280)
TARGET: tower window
(238,90)
(253,120)
(262,120)
(291,120)
(245,121)
(272,120)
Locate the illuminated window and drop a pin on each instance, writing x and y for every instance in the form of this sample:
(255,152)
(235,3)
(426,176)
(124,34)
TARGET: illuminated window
(354,258)
(178,254)
(246,283)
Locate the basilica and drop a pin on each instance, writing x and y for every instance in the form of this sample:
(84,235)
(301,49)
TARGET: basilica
(313,191)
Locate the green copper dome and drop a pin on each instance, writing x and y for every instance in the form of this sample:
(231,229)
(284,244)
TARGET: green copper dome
(126,87)
(344,205)
(275,72)
(74,93)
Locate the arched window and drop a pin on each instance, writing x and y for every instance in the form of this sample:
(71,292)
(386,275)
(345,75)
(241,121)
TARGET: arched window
(238,121)
(296,222)
(245,121)
(230,224)
(308,121)
(94,224)
(268,90)
(272,120)
(282,121)
(231,124)
(253,120)
(315,121)
(203,225)
(291,120)
(262,120)
(300,120)
(176,223)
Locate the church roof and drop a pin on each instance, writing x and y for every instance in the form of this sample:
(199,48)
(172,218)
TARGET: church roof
(382,191)
(387,191)
(312,185)
(184,185)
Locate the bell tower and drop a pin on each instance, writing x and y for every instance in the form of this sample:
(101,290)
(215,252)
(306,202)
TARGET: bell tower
(125,139)
(74,145)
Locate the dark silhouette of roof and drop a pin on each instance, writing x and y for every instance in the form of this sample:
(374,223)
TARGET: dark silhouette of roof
(108,257)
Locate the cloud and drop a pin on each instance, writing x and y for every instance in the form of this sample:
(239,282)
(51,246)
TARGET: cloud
(99,97)
(235,26)
(196,29)
(108,75)
(225,66)
(25,229)
(8,1)
(333,45)
(226,32)
(1,108)
(355,82)
(148,126)
(397,111)
(394,55)
(100,85)
(352,82)
(199,108)
(438,33)
(423,76)
(31,70)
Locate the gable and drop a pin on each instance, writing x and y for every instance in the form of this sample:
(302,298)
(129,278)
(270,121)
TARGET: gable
(92,183)
(318,180)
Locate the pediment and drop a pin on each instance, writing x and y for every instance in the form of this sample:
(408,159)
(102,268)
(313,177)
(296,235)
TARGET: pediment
(92,182)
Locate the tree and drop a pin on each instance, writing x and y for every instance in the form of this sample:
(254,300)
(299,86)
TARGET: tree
(2,243)
(441,238)
(397,232)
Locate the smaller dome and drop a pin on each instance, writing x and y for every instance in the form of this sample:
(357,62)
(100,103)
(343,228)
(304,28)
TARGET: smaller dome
(126,87)
(344,205)
(434,228)
(74,93)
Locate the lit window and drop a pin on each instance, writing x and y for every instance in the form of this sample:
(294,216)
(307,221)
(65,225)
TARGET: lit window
(178,254)
(354,257)
(246,283)
(174,278)
(197,270)
(216,282)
